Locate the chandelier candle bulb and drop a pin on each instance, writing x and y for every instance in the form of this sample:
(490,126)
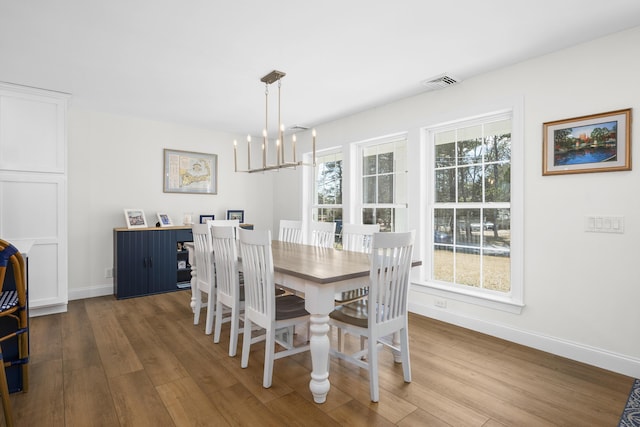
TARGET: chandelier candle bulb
(281,158)
(235,155)
(313,134)
(293,142)
(249,152)
(278,148)
(264,148)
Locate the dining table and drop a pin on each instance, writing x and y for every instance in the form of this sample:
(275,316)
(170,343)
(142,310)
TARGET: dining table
(318,273)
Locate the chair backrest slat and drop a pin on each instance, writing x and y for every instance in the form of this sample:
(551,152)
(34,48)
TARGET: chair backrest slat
(357,237)
(257,266)
(290,231)
(204,256)
(225,254)
(389,276)
(226,223)
(323,234)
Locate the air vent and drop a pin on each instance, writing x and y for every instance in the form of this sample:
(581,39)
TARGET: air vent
(439,82)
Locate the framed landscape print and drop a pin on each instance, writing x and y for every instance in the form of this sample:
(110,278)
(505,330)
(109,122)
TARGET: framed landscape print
(595,143)
(190,172)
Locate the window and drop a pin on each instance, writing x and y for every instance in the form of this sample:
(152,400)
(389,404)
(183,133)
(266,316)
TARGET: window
(383,184)
(470,209)
(327,197)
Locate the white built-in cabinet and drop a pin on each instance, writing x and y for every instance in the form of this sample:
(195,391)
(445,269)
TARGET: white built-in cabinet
(33,188)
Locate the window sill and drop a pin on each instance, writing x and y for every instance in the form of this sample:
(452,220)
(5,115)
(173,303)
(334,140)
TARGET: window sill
(495,302)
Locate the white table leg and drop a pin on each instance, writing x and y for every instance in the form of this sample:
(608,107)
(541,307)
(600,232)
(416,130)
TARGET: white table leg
(319,347)
(192,262)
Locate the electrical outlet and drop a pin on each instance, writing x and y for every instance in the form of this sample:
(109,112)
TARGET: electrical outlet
(108,273)
(441,303)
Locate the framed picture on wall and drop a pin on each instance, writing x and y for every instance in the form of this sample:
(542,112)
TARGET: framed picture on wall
(164,219)
(239,215)
(595,143)
(190,172)
(135,218)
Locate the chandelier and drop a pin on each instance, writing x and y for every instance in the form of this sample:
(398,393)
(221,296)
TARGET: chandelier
(279,143)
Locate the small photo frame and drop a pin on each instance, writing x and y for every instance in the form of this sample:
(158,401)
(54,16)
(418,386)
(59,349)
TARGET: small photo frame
(135,218)
(164,219)
(205,218)
(239,215)
(595,143)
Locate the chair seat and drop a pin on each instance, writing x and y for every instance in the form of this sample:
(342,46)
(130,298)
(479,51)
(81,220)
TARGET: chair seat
(8,299)
(355,313)
(290,307)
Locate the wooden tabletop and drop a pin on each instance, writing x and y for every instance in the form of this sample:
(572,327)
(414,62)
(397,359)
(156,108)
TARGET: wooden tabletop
(320,265)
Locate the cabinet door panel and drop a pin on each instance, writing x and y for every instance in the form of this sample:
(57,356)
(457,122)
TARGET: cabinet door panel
(131,264)
(163,261)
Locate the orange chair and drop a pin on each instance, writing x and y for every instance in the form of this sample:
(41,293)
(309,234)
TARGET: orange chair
(13,305)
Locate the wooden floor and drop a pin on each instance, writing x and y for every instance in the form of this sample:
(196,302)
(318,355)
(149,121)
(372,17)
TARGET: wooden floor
(142,362)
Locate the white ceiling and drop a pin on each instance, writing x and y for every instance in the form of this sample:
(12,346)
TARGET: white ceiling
(199,62)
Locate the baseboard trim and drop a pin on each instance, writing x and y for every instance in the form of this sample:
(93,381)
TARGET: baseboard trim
(90,292)
(575,351)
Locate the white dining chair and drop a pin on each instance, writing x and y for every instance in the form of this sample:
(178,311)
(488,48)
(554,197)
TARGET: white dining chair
(384,312)
(262,308)
(290,231)
(323,234)
(205,275)
(229,292)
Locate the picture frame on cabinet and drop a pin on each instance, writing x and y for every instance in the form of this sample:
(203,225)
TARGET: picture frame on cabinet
(236,214)
(205,218)
(595,143)
(135,218)
(164,219)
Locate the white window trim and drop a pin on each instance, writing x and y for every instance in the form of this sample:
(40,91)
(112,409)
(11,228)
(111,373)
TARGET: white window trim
(513,301)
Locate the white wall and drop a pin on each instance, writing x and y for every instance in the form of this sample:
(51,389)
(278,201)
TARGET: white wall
(581,289)
(116,162)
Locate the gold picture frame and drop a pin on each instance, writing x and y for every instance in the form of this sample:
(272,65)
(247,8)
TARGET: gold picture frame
(594,143)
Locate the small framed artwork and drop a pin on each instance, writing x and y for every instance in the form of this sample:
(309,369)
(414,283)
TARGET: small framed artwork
(595,143)
(239,215)
(189,172)
(205,218)
(135,218)
(164,220)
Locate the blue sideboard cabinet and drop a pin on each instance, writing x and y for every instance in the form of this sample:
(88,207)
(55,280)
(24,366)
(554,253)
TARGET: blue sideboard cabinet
(150,260)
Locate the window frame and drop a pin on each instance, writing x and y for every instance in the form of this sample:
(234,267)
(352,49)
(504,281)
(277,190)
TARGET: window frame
(309,189)
(358,204)
(513,301)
